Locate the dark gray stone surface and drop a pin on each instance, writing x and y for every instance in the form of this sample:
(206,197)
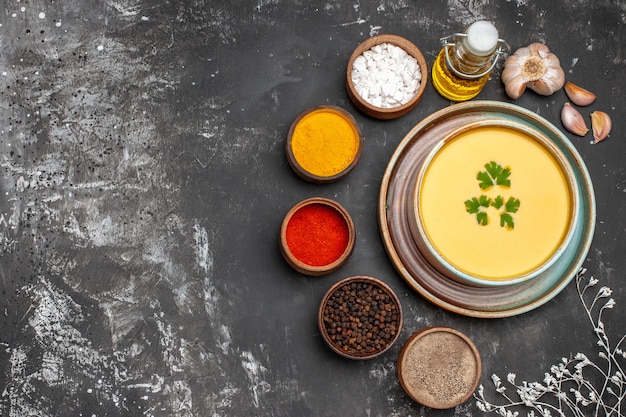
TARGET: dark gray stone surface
(143,181)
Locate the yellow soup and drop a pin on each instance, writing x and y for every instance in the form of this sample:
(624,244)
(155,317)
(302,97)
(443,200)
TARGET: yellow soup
(495,203)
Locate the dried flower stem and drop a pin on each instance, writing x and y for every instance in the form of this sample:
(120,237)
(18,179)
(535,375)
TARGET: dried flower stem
(566,389)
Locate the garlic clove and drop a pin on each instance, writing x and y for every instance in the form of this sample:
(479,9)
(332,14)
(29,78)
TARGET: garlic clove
(601,125)
(573,120)
(515,86)
(579,95)
(540,49)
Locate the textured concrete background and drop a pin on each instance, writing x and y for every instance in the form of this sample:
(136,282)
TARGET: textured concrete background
(143,181)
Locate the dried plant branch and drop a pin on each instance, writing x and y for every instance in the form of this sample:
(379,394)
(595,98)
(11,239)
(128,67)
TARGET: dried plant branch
(568,388)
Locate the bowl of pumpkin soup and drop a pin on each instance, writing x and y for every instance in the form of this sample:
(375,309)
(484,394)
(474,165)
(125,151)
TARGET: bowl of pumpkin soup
(493,204)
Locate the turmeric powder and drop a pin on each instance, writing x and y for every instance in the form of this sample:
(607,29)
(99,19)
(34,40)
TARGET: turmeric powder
(325,142)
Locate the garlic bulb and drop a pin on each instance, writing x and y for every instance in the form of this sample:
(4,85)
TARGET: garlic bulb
(534,67)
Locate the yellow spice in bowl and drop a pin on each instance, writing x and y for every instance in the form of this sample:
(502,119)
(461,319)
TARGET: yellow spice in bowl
(324,142)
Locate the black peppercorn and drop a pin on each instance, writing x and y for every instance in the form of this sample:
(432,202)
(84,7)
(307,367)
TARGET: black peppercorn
(363,318)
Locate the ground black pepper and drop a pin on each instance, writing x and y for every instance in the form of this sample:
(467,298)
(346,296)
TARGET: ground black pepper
(361,318)
(439,367)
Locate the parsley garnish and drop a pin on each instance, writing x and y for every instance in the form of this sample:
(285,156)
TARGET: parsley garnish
(498,202)
(506,220)
(512,205)
(493,175)
(477,206)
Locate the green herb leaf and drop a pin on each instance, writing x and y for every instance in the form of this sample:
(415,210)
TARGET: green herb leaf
(485,180)
(472,206)
(484,201)
(482,218)
(512,205)
(495,174)
(498,202)
(502,179)
(493,169)
(506,220)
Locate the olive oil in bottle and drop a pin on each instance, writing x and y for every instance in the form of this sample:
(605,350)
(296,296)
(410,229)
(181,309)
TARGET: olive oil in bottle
(466,60)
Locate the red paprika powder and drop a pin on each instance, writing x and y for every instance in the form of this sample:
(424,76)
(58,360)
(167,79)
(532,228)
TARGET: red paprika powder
(317,234)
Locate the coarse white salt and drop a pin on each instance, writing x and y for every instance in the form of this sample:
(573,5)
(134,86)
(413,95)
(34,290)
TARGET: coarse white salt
(386,76)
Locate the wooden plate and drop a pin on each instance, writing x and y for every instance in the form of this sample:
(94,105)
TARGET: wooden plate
(396,188)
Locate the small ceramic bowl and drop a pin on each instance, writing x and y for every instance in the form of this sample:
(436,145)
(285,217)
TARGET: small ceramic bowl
(486,251)
(317,236)
(360,317)
(323,144)
(439,367)
(386,112)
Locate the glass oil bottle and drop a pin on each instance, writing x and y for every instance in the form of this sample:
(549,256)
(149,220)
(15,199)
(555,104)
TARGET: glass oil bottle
(466,60)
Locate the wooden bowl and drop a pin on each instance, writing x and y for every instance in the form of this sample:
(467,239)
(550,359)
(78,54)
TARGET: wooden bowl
(439,367)
(322,165)
(325,241)
(372,310)
(391,112)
